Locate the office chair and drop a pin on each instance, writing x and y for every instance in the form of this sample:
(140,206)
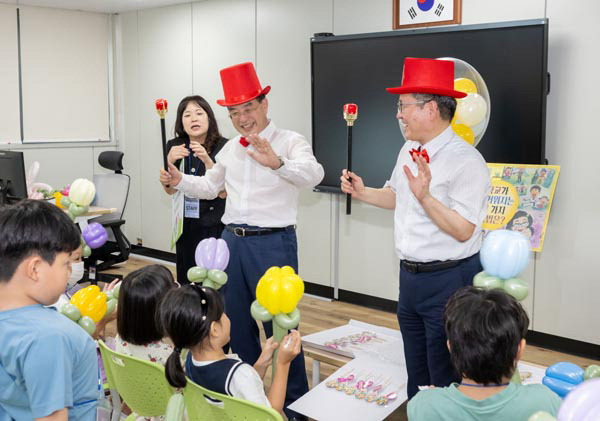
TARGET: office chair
(111,192)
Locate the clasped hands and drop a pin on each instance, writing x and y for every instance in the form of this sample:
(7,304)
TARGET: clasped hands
(261,152)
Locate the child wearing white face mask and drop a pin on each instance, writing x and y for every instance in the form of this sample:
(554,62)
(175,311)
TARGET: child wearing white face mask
(77,270)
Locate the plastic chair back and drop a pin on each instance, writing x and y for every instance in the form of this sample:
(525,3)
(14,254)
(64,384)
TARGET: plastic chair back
(199,408)
(141,384)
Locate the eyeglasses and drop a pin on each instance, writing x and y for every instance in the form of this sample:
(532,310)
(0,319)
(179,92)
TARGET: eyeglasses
(236,114)
(401,104)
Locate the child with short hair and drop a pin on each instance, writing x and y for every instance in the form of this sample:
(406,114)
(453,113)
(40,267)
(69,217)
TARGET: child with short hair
(48,364)
(139,297)
(194,318)
(486,337)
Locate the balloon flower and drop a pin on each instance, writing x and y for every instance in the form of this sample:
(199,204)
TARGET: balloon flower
(95,235)
(504,255)
(81,194)
(277,294)
(212,257)
(76,198)
(89,305)
(563,377)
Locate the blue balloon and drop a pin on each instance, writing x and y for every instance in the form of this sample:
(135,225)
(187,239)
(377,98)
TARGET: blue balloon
(505,253)
(560,387)
(566,371)
(563,377)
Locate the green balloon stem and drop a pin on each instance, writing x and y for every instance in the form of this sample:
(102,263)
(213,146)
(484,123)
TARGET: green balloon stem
(279,333)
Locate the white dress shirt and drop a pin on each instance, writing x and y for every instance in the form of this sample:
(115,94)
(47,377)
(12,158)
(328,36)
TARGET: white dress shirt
(258,195)
(459,179)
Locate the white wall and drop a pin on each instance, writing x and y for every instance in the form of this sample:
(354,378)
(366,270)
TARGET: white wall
(568,270)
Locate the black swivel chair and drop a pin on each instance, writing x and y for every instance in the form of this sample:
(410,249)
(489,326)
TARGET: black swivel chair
(111,192)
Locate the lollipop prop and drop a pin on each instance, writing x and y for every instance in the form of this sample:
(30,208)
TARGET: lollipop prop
(162,108)
(350,114)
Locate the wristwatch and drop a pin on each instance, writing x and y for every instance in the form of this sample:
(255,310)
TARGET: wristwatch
(281,162)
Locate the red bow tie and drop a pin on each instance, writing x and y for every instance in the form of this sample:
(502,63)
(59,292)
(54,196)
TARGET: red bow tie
(244,142)
(416,152)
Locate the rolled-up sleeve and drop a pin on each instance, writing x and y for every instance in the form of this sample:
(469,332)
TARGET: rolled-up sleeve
(300,165)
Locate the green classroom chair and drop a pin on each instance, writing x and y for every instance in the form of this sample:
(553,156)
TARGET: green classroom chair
(141,384)
(230,408)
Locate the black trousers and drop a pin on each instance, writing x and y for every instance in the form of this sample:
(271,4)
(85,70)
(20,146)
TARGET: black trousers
(185,248)
(423,297)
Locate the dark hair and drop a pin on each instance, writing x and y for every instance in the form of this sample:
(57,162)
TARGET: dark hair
(185,315)
(538,188)
(139,297)
(519,214)
(212,135)
(446,104)
(485,328)
(34,227)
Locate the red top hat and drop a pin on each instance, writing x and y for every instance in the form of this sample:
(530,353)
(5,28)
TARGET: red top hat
(427,76)
(240,84)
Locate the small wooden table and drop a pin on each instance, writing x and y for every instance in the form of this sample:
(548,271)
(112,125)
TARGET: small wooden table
(319,356)
(93,212)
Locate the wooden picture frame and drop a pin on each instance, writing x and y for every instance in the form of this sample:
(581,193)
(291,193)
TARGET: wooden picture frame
(423,13)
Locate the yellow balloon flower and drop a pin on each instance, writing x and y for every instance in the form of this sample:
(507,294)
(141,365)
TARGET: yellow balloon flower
(465,85)
(279,290)
(465,132)
(91,302)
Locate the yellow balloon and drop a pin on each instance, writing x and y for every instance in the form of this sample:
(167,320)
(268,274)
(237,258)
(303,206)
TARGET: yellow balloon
(91,302)
(465,132)
(279,290)
(287,270)
(465,85)
(287,299)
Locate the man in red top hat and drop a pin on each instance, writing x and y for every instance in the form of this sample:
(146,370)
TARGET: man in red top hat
(438,191)
(262,171)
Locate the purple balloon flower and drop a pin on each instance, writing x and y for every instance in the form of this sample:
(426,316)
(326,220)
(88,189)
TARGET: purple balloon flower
(212,254)
(95,235)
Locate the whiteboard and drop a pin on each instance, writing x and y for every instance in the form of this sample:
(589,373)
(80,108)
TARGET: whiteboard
(65,75)
(10,131)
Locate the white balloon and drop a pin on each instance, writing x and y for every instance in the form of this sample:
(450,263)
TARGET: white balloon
(82,192)
(471,110)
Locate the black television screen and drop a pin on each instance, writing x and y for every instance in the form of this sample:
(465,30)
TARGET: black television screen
(511,57)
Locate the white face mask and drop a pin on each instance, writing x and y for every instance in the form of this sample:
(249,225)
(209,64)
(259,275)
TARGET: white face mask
(77,271)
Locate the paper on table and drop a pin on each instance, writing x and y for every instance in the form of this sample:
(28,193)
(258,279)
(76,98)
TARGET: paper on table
(531,374)
(385,337)
(325,404)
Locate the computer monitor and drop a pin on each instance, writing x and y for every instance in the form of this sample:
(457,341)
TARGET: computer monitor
(13,184)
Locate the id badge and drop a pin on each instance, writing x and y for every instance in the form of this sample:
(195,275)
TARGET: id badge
(192,208)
